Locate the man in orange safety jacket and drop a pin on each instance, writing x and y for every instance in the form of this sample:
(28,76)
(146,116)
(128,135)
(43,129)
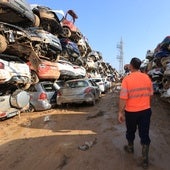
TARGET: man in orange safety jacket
(135,109)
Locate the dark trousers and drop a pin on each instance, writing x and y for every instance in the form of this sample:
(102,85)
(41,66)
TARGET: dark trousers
(140,120)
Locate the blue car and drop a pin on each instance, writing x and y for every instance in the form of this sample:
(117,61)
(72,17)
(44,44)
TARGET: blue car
(69,48)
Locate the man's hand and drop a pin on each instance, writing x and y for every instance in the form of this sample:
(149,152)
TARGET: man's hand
(121,117)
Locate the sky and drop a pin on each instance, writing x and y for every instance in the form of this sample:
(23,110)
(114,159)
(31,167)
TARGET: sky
(141,24)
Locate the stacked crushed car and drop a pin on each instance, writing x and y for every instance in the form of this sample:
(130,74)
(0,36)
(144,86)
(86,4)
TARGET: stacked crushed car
(157,65)
(38,49)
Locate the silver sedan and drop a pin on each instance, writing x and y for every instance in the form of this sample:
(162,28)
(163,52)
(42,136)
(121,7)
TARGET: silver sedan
(79,91)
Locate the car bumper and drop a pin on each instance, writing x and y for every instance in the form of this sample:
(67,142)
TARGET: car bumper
(74,99)
(10,113)
(41,105)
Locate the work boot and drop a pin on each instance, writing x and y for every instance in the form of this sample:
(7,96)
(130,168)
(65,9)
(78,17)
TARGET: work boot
(145,152)
(129,148)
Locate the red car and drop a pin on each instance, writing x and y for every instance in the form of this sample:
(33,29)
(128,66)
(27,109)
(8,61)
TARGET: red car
(69,28)
(45,70)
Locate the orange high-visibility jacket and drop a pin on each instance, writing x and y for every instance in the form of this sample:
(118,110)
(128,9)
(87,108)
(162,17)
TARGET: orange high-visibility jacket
(136,89)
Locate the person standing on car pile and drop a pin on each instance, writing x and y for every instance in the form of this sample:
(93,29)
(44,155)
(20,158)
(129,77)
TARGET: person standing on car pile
(135,109)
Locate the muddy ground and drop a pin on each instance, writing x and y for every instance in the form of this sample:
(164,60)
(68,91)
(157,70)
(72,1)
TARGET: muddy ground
(81,137)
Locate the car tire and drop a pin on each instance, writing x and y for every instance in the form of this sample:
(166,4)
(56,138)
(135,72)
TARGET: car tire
(66,32)
(34,77)
(19,99)
(93,102)
(3,44)
(37,21)
(31,108)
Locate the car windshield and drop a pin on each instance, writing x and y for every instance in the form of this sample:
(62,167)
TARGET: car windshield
(76,84)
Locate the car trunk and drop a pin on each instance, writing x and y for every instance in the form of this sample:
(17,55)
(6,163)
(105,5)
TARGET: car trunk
(72,91)
(51,92)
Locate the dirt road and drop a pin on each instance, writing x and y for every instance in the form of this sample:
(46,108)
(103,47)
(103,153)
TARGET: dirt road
(81,138)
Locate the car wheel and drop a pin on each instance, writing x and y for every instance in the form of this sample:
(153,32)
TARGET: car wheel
(93,102)
(34,77)
(37,21)
(3,44)
(19,99)
(31,108)
(66,32)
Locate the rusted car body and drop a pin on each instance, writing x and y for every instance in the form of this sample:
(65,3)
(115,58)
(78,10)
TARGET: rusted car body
(46,70)
(21,42)
(69,28)
(18,12)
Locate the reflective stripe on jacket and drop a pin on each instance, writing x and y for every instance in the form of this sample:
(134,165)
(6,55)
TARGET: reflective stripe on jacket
(136,89)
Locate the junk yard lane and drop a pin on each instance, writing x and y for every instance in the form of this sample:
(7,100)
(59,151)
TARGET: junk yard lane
(81,137)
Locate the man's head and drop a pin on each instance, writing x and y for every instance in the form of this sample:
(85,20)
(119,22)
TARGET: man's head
(135,64)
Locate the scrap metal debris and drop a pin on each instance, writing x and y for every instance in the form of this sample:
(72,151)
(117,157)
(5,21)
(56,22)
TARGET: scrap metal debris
(87,145)
(46,118)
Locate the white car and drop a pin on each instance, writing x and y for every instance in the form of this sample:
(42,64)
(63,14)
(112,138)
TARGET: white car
(80,72)
(12,101)
(108,84)
(100,82)
(78,91)
(66,69)
(69,70)
(14,71)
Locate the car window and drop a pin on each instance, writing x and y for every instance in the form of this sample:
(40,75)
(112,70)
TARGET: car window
(48,87)
(70,84)
(82,84)
(76,84)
